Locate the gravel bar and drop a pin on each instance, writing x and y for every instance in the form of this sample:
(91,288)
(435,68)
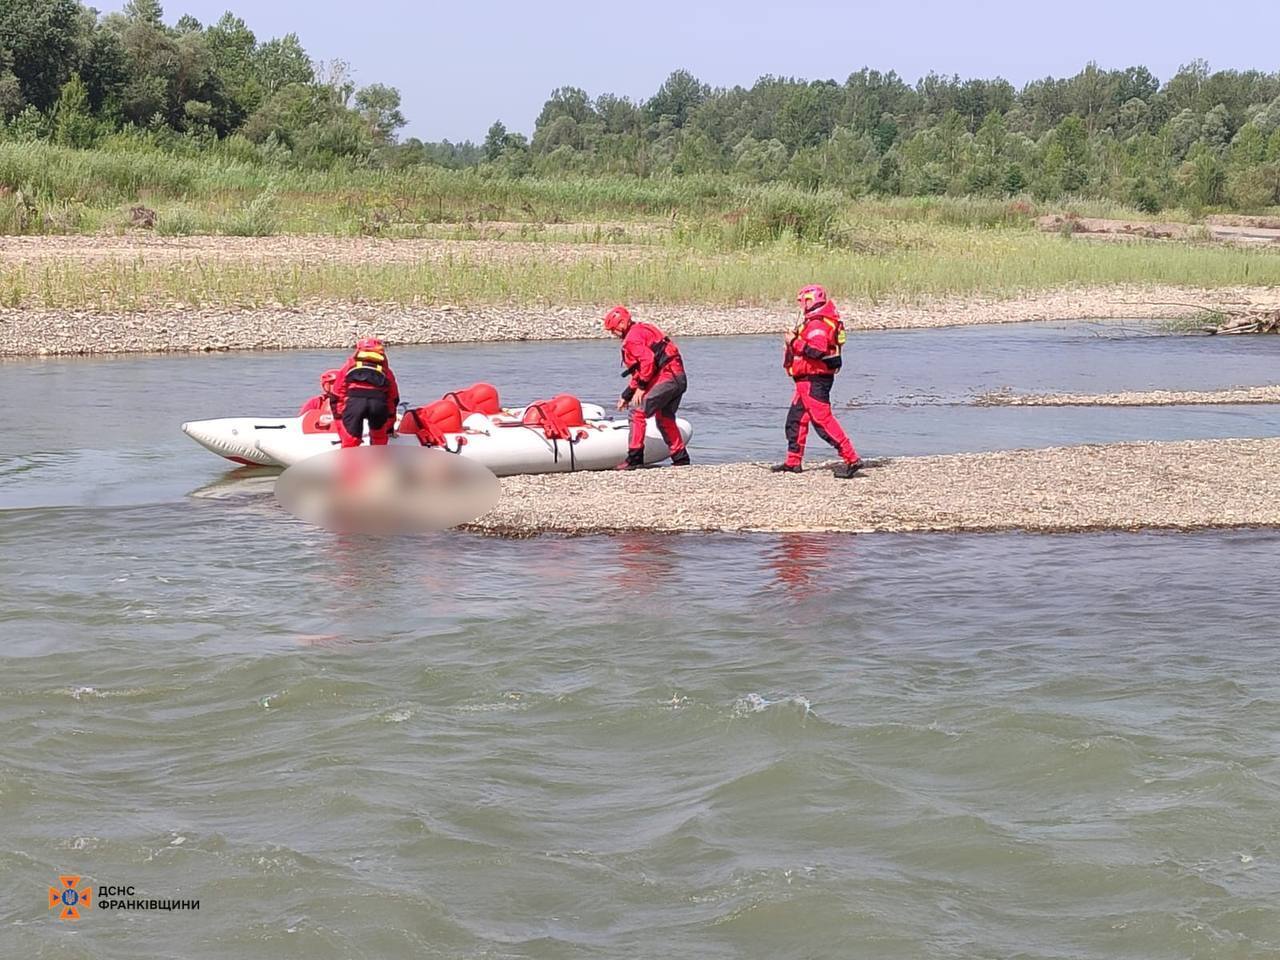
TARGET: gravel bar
(1146,398)
(326,325)
(1174,486)
(301,249)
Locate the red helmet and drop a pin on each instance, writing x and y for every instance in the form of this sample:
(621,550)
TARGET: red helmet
(812,298)
(619,318)
(328,379)
(371,349)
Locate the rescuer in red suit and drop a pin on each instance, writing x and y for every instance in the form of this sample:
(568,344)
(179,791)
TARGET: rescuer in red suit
(366,392)
(812,359)
(656,383)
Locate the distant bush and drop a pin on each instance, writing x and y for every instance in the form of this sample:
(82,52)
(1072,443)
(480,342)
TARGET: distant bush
(178,221)
(258,218)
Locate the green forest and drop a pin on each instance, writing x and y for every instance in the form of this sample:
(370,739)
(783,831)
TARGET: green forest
(133,84)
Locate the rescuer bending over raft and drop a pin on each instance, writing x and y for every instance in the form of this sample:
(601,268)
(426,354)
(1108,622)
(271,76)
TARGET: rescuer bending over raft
(812,359)
(366,392)
(657,382)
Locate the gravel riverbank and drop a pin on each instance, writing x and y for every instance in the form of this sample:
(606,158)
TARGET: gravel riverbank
(326,325)
(307,250)
(1236,230)
(1144,398)
(1177,486)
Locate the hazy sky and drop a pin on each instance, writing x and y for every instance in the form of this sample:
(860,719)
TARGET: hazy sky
(461,65)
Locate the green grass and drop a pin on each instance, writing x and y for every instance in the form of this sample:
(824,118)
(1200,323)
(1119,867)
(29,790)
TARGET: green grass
(957,262)
(706,239)
(91,191)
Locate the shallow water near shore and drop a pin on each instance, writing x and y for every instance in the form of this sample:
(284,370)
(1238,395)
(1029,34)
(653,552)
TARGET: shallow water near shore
(104,431)
(888,746)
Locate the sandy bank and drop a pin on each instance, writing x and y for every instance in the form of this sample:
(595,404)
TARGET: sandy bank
(305,249)
(1237,230)
(324,325)
(1146,398)
(1180,486)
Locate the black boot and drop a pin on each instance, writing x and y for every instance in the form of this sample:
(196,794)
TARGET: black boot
(847,471)
(681,459)
(786,468)
(634,461)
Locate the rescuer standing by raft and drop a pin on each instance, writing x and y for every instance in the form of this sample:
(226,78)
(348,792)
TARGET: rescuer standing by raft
(657,382)
(812,359)
(366,392)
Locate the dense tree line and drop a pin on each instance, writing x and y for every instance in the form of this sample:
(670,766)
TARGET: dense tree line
(1200,139)
(73,77)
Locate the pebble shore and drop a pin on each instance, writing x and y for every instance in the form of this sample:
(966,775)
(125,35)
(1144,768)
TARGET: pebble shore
(330,325)
(301,249)
(1144,398)
(1188,485)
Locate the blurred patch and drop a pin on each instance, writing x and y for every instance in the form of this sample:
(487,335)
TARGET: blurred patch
(387,490)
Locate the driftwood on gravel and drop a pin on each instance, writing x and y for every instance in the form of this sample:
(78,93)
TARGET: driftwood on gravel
(1250,231)
(1263,321)
(143,217)
(1244,317)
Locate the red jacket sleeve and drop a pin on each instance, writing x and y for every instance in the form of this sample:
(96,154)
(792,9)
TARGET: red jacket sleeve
(637,353)
(340,387)
(315,403)
(393,393)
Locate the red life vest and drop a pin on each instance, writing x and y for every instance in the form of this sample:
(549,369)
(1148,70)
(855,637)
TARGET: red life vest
(430,423)
(824,331)
(368,371)
(477,398)
(555,416)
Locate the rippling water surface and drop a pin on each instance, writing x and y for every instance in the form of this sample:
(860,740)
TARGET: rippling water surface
(830,746)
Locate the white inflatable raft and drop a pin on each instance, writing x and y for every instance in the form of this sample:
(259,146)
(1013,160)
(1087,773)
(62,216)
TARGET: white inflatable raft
(236,438)
(503,444)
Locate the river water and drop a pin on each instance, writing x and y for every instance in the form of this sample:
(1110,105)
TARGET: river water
(722,746)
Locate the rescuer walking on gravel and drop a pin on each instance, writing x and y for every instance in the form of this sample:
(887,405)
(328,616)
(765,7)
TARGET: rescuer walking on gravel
(657,382)
(812,359)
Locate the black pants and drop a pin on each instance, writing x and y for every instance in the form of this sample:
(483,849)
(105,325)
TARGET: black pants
(665,397)
(365,406)
(661,402)
(811,406)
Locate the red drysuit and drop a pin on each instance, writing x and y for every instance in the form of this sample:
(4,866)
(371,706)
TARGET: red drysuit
(812,358)
(366,392)
(656,367)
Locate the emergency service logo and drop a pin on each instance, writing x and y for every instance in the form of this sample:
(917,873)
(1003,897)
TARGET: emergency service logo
(70,896)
